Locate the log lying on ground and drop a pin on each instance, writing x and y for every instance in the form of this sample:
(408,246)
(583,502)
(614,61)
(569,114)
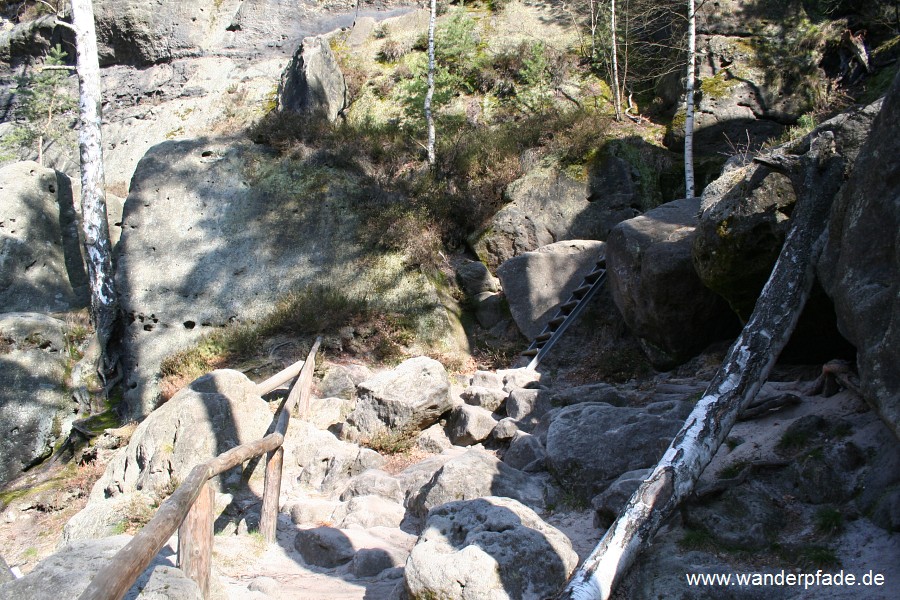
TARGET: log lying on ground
(816,177)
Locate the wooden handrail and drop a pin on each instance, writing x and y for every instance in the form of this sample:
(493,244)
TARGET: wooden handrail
(278,378)
(115,578)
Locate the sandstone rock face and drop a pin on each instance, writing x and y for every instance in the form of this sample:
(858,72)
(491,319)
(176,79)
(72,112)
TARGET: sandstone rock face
(545,206)
(745,215)
(654,284)
(591,444)
(536,283)
(312,83)
(138,33)
(413,395)
(747,95)
(69,571)
(488,548)
(40,262)
(35,409)
(860,265)
(215,263)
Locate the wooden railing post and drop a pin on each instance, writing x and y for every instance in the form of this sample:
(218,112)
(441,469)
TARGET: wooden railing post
(268,516)
(195,540)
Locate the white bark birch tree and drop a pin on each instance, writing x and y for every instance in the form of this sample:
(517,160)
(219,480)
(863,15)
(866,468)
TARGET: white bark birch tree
(816,178)
(98,249)
(429,95)
(617,96)
(689,103)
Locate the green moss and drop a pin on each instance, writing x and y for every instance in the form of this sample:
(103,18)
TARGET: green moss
(717,86)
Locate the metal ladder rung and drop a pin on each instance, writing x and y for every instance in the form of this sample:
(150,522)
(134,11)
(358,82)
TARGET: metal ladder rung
(556,321)
(543,337)
(531,352)
(568,306)
(580,292)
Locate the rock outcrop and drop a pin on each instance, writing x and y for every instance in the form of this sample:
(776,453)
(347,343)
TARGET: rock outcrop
(745,215)
(36,411)
(545,206)
(136,33)
(860,265)
(219,210)
(536,283)
(312,83)
(40,262)
(488,548)
(213,414)
(654,284)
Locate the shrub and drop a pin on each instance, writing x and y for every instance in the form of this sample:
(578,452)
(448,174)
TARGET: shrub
(391,51)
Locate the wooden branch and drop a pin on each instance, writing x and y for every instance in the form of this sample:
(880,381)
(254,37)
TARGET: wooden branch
(278,378)
(746,367)
(195,540)
(765,406)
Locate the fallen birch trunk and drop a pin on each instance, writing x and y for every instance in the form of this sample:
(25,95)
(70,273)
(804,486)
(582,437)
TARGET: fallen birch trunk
(816,177)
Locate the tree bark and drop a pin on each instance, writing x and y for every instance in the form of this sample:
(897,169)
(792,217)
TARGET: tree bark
(429,95)
(816,178)
(98,250)
(615,61)
(689,103)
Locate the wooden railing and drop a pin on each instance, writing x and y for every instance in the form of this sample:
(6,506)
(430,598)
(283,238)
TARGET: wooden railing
(190,509)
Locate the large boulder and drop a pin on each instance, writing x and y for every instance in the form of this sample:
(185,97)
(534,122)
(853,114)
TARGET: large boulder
(545,206)
(213,414)
(411,396)
(67,573)
(488,548)
(36,411)
(745,215)
(312,83)
(40,263)
(860,265)
(326,463)
(655,287)
(537,282)
(591,444)
(474,474)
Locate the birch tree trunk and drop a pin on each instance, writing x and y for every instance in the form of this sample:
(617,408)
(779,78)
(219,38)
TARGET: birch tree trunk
(615,61)
(689,103)
(429,95)
(816,178)
(98,249)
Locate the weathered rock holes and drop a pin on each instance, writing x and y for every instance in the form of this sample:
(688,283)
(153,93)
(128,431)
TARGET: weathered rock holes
(189,324)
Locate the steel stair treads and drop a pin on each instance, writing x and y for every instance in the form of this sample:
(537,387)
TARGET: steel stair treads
(566,313)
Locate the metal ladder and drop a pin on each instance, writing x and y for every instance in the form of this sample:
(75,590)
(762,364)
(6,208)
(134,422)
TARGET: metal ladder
(567,312)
